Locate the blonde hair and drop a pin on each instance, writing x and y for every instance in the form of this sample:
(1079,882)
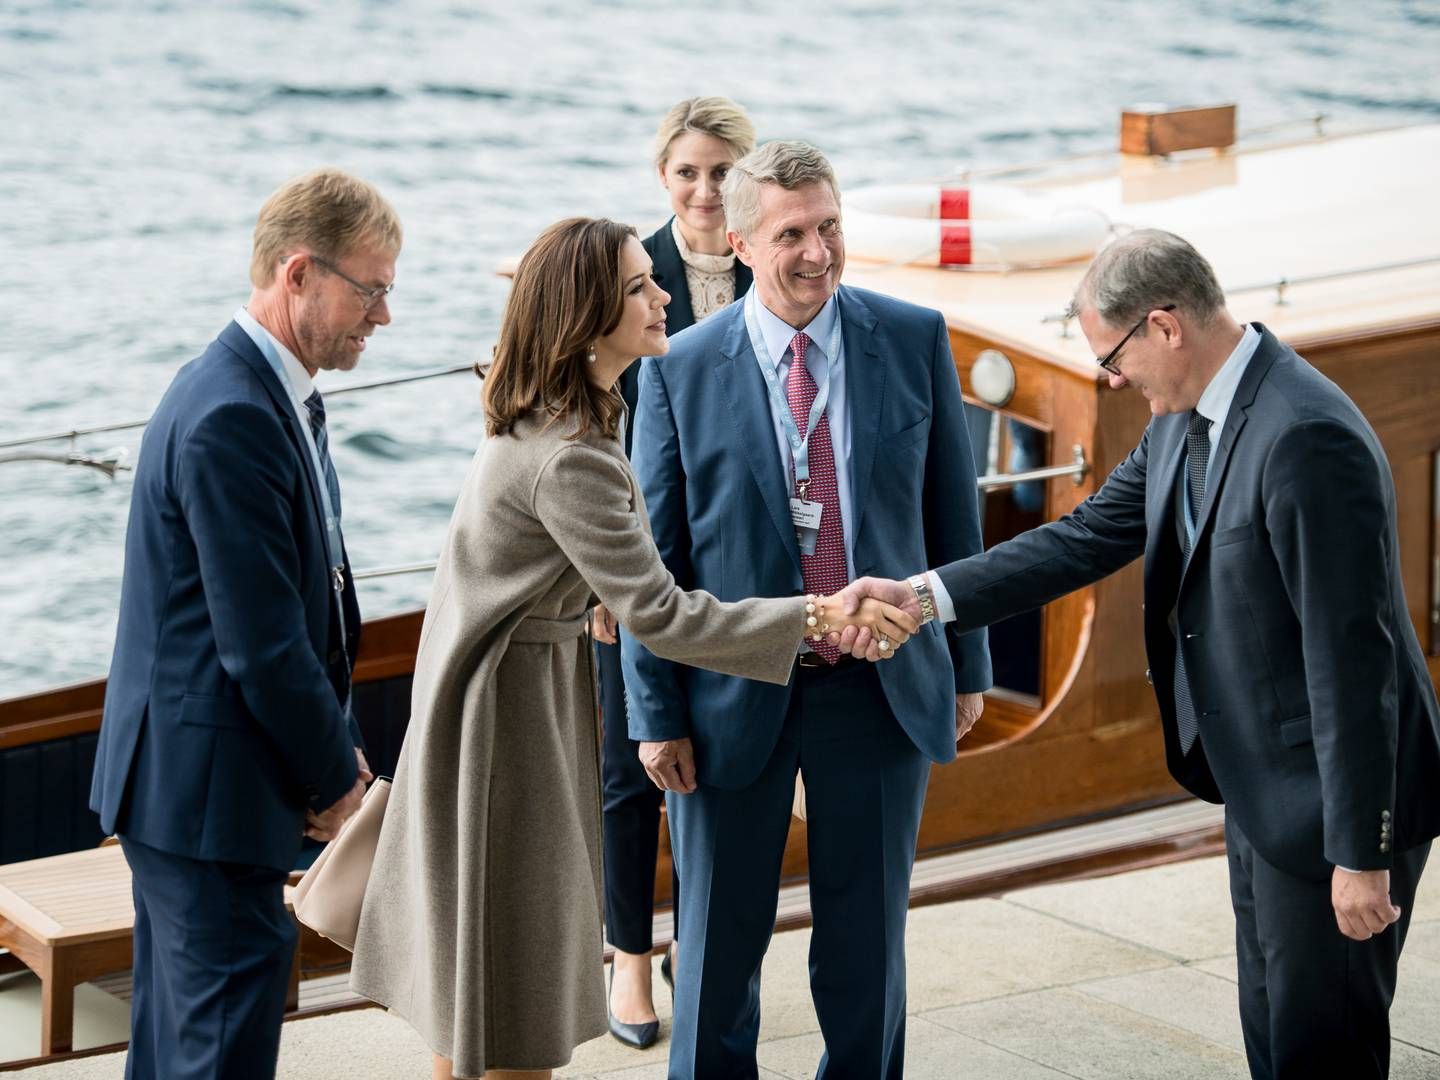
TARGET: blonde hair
(328,212)
(715,116)
(567,292)
(791,164)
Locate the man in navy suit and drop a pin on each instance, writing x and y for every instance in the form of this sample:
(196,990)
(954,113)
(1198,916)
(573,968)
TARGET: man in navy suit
(1290,680)
(805,434)
(227,733)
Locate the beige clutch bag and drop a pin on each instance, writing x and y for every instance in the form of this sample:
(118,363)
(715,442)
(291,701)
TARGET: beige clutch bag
(329,896)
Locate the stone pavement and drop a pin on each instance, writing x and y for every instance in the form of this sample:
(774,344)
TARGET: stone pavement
(1129,976)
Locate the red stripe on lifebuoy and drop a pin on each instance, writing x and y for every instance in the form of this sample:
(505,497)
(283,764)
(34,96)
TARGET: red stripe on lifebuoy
(955,204)
(955,245)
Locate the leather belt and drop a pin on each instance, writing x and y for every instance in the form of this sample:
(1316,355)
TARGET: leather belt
(811,661)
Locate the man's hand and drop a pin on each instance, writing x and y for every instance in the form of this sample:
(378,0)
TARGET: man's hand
(603,626)
(365,774)
(858,641)
(968,708)
(670,765)
(1362,902)
(326,824)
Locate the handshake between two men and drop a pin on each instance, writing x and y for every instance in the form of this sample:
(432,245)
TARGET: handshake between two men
(863,603)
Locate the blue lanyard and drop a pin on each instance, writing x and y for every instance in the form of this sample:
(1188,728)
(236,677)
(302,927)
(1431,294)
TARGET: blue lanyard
(780,405)
(332,524)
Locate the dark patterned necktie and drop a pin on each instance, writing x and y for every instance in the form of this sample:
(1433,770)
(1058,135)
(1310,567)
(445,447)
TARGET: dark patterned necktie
(824,572)
(315,405)
(1197,460)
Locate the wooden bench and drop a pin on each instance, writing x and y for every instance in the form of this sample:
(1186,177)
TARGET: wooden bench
(69,919)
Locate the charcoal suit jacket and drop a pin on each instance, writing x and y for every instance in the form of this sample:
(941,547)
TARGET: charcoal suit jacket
(1317,715)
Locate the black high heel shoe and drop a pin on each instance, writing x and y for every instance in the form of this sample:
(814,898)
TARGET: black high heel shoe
(640,1036)
(667,971)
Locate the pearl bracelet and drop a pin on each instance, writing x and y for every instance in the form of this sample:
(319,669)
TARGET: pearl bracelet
(816,626)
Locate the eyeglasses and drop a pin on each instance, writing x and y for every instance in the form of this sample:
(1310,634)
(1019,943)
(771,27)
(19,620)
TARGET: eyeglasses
(370,295)
(1108,360)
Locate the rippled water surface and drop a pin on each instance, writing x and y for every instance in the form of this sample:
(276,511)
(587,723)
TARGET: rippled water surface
(138,141)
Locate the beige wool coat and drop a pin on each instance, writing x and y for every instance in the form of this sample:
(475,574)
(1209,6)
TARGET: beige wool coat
(481,924)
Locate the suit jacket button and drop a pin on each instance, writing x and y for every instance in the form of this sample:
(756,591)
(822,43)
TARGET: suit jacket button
(1384,846)
(1384,815)
(1148,679)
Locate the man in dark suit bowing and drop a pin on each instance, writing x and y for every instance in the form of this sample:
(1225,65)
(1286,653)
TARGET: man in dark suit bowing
(805,433)
(1290,680)
(227,732)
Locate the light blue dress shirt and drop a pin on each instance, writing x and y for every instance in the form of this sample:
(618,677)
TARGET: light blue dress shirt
(301,384)
(777,334)
(1215,402)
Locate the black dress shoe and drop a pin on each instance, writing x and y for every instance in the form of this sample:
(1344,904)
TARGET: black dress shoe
(667,972)
(640,1036)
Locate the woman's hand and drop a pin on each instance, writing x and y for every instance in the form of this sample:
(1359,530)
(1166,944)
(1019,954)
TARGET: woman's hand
(603,626)
(889,625)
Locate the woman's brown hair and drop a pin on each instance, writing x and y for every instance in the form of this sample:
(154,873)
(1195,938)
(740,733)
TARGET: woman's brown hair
(567,292)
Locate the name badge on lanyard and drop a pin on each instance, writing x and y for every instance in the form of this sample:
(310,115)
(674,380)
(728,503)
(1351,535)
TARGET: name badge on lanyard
(805,513)
(806,517)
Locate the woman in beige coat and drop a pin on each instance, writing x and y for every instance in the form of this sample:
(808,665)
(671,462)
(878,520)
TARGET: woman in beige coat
(481,924)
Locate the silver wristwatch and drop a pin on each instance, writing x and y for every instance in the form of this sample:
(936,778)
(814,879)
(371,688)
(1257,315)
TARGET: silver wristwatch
(921,584)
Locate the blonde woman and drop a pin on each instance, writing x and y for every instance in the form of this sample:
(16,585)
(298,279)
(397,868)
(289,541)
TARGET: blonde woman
(698,140)
(481,922)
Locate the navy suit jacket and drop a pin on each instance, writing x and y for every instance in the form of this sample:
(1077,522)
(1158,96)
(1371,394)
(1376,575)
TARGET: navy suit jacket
(223,720)
(1317,716)
(706,458)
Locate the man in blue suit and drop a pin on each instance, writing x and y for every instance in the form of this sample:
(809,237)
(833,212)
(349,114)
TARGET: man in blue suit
(802,436)
(227,732)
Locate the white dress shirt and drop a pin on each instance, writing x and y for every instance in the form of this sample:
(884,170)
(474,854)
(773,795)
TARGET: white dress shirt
(777,334)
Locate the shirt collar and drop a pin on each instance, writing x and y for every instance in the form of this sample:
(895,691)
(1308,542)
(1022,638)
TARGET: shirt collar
(1214,403)
(778,333)
(301,384)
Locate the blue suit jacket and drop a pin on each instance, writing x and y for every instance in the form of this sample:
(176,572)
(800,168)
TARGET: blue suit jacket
(706,457)
(223,718)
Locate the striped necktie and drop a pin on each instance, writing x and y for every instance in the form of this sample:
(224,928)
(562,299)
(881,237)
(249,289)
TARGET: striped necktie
(315,405)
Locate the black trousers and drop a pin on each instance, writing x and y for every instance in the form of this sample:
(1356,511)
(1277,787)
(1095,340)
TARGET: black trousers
(631,803)
(1313,1002)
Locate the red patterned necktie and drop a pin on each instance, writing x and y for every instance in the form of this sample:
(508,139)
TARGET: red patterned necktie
(824,572)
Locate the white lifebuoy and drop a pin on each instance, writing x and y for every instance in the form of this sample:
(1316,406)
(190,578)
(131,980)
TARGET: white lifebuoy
(967,226)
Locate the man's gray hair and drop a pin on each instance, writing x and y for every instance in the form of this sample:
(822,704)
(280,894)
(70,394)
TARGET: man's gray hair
(791,164)
(1145,270)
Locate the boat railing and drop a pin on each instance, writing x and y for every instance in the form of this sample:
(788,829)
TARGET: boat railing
(1281,285)
(132,425)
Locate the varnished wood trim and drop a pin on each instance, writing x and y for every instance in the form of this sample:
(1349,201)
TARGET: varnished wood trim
(387,649)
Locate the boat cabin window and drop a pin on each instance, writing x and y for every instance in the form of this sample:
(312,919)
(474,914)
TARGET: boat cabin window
(1004,447)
